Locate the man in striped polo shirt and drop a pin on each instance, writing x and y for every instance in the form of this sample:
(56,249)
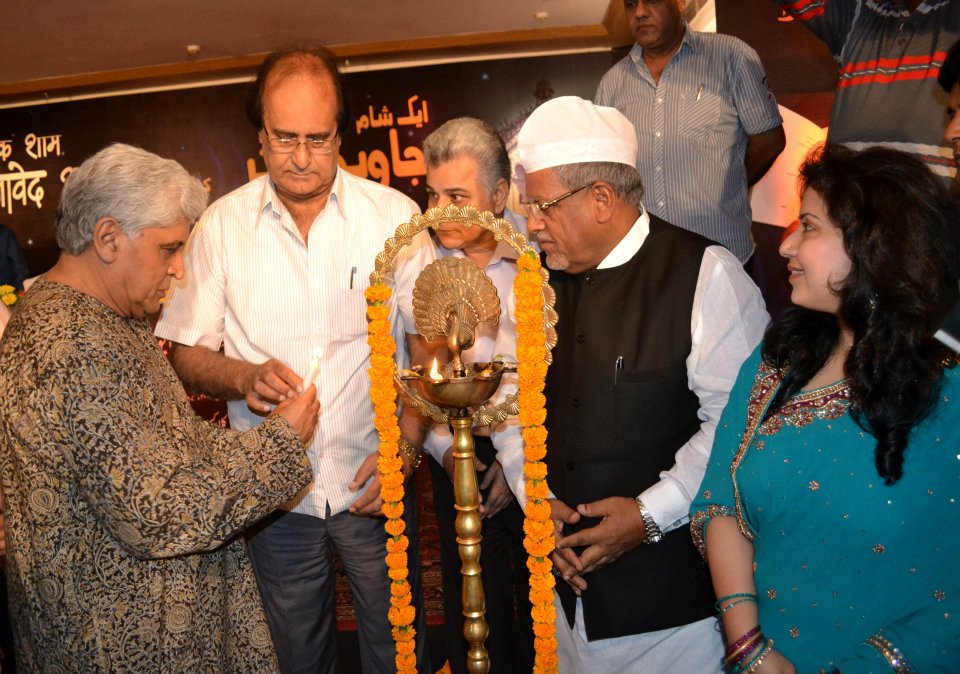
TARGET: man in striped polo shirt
(707,123)
(889,53)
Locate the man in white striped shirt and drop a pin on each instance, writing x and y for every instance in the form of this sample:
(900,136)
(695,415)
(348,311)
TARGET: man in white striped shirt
(277,271)
(708,125)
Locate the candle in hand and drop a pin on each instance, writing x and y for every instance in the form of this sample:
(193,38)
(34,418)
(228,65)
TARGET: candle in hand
(314,369)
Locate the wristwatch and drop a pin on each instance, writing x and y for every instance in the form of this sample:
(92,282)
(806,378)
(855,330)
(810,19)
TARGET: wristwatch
(654,535)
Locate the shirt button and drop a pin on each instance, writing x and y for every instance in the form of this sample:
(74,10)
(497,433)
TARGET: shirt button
(656,135)
(581,339)
(570,465)
(588,280)
(659,168)
(575,402)
(660,203)
(660,100)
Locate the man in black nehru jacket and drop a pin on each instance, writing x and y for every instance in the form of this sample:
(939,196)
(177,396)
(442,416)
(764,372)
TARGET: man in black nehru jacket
(654,324)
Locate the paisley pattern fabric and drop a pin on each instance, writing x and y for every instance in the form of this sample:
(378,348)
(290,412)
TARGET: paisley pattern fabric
(123,507)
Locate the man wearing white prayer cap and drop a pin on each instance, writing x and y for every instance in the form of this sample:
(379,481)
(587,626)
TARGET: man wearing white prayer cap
(654,324)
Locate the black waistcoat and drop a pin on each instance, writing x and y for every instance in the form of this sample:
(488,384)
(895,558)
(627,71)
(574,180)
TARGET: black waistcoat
(612,430)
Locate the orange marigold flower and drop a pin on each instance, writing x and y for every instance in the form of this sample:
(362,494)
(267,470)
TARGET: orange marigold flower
(392,479)
(397,574)
(543,630)
(397,544)
(406,661)
(395,527)
(391,463)
(537,510)
(542,596)
(538,548)
(378,292)
(538,530)
(393,495)
(401,615)
(392,510)
(395,560)
(532,416)
(535,470)
(544,614)
(535,435)
(537,490)
(539,565)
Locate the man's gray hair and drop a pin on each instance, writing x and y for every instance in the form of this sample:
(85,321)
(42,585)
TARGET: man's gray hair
(624,179)
(136,188)
(472,137)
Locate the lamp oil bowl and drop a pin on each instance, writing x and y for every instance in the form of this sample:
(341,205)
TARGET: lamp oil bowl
(444,387)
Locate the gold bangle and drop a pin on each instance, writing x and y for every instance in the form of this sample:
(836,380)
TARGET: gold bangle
(414,454)
(891,654)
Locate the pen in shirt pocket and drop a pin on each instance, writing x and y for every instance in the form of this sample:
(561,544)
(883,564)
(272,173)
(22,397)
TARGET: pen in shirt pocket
(700,91)
(353,272)
(617,366)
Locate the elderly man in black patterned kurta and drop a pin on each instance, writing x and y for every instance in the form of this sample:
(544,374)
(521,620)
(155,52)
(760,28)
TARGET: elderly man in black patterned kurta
(122,506)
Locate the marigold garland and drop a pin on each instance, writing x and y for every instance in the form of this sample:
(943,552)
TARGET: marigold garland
(389,463)
(538,528)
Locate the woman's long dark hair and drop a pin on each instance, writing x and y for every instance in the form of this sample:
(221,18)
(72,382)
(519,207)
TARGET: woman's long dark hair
(900,231)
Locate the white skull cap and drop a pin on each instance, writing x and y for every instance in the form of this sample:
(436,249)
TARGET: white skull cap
(570,130)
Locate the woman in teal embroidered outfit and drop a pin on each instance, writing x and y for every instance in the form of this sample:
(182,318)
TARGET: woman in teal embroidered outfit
(829,510)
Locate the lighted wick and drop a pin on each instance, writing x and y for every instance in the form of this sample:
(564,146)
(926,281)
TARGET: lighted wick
(314,369)
(435,373)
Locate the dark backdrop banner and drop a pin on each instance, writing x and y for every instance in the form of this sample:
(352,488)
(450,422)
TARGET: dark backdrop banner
(205,129)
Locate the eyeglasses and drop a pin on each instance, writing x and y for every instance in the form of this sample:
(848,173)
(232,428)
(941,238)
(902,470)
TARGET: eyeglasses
(535,209)
(289,144)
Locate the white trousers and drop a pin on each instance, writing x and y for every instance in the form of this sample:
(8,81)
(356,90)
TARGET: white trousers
(696,648)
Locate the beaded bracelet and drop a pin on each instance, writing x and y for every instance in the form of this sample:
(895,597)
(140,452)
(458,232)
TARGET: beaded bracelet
(890,653)
(736,595)
(756,661)
(734,603)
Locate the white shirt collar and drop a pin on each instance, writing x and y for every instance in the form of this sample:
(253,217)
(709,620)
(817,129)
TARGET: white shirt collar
(624,251)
